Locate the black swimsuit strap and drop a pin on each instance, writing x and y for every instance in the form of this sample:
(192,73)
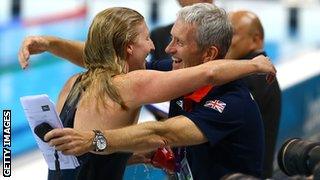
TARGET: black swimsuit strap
(69,108)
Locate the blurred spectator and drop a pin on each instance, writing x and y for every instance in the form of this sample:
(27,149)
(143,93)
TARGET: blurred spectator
(16,8)
(248,42)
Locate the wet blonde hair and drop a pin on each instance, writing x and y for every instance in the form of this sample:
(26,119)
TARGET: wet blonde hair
(105,52)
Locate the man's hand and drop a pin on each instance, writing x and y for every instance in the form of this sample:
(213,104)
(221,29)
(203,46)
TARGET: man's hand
(31,45)
(70,141)
(265,66)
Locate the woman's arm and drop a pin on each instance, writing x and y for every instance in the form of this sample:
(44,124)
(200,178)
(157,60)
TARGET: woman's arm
(70,50)
(154,86)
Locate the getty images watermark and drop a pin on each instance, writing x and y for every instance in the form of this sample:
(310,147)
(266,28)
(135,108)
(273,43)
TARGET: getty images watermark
(6,137)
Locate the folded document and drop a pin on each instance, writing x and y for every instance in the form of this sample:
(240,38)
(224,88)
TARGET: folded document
(39,109)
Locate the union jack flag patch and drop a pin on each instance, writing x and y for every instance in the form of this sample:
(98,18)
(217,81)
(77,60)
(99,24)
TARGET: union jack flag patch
(216,105)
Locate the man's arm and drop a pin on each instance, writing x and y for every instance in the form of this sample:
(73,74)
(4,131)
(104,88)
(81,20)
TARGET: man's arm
(177,131)
(70,50)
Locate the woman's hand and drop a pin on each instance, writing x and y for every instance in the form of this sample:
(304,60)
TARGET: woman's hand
(31,45)
(265,66)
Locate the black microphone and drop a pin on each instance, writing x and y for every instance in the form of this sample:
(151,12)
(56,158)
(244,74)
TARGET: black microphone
(42,129)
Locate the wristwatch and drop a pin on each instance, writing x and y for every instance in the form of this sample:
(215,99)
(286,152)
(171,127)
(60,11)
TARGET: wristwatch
(99,141)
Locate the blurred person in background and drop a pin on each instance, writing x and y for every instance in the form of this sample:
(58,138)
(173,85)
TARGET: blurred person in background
(161,36)
(222,123)
(248,42)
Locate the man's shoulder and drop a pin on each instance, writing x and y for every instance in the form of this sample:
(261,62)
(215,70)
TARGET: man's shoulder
(235,95)
(260,81)
(236,86)
(254,53)
(260,89)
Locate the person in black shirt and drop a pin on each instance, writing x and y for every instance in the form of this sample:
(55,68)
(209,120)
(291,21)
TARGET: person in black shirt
(248,42)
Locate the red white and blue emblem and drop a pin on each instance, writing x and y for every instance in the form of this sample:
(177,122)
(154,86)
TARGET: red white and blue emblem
(216,105)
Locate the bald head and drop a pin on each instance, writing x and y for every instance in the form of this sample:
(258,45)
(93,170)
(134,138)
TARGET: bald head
(248,34)
(184,3)
(248,20)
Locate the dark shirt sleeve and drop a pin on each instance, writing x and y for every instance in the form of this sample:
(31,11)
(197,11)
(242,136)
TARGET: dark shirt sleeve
(161,38)
(163,65)
(215,125)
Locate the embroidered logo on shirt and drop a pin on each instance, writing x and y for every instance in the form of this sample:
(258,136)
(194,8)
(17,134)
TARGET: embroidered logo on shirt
(216,105)
(180,103)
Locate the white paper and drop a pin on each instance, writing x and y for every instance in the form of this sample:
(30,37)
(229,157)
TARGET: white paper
(39,109)
(163,106)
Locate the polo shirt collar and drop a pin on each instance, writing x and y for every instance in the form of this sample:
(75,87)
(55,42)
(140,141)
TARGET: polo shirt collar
(199,94)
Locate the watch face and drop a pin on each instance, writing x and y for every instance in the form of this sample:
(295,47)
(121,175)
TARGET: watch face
(101,143)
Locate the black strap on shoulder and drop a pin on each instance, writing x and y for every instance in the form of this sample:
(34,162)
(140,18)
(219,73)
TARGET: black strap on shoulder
(69,108)
(67,117)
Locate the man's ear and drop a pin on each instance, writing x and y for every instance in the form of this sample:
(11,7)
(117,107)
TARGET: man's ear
(210,54)
(130,49)
(257,41)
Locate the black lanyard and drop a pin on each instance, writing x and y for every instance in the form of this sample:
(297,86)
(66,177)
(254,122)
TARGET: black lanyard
(58,175)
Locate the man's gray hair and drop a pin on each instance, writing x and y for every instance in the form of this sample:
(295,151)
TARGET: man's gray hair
(212,26)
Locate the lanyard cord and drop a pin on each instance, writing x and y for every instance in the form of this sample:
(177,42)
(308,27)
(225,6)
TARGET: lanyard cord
(57,165)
